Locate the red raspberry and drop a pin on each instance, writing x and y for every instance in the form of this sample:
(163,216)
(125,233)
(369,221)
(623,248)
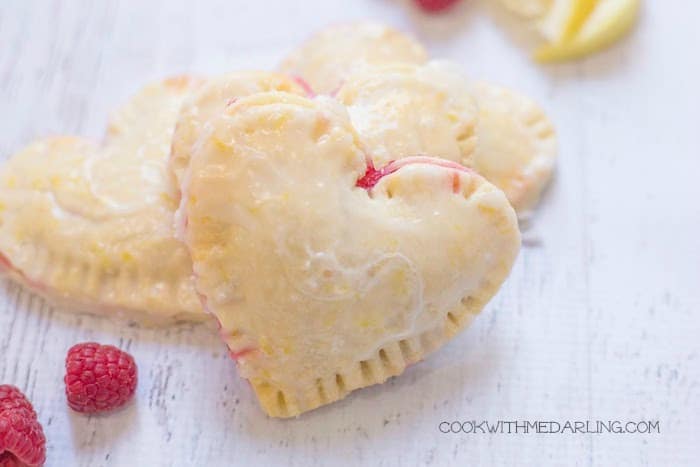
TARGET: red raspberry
(99,377)
(22,440)
(433,6)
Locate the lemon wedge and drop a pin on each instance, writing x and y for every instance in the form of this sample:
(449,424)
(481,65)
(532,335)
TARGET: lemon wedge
(564,18)
(585,26)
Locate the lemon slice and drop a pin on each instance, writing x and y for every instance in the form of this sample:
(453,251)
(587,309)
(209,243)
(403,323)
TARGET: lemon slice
(593,29)
(564,18)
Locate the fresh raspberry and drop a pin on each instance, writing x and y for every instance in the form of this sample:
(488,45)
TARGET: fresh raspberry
(433,6)
(99,377)
(22,440)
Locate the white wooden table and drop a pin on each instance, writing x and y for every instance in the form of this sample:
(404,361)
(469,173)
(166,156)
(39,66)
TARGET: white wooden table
(598,321)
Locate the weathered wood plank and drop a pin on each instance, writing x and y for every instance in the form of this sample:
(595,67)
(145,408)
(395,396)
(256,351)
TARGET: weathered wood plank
(598,321)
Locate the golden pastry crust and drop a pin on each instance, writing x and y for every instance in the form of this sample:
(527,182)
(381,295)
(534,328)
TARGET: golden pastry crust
(327,58)
(91,227)
(321,286)
(211,99)
(433,109)
(408,110)
(516,145)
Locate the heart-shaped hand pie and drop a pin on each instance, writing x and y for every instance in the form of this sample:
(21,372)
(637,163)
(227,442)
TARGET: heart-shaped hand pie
(211,99)
(328,274)
(404,110)
(332,54)
(91,227)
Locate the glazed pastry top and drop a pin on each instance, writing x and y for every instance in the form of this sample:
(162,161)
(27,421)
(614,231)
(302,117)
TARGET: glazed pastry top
(309,273)
(409,110)
(406,110)
(327,58)
(211,99)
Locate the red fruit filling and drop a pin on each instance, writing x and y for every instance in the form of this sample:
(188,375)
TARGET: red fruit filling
(373,175)
(304,85)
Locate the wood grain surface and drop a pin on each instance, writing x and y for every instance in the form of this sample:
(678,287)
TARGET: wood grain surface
(598,321)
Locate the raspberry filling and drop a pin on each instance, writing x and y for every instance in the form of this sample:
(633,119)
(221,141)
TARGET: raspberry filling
(304,85)
(373,175)
(241,353)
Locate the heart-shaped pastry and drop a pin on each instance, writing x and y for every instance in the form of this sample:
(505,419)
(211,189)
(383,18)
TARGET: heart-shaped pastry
(404,110)
(326,273)
(91,226)
(211,99)
(330,55)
